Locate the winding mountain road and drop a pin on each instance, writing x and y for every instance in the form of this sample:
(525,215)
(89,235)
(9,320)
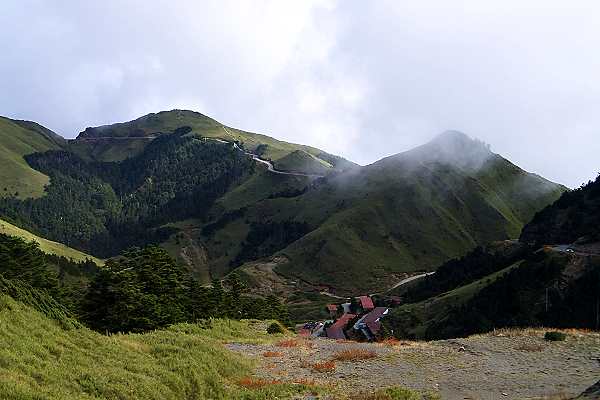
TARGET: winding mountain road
(269,164)
(402,282)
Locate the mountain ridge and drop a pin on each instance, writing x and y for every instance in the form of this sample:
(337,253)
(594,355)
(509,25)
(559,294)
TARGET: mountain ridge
(352,230)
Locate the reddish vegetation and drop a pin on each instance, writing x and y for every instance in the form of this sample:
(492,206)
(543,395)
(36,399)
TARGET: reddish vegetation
(255,383)
(272,354)
(327,366)
(354,355)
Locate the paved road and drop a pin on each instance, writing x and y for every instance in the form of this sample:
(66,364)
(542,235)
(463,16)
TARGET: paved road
(402,282)
(269,165)
(571,249)
(410,279)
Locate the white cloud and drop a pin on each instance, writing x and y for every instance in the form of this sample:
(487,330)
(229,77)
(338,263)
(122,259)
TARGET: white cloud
(361,79)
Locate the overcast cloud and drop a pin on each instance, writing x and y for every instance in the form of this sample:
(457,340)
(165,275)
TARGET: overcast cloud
(363,79)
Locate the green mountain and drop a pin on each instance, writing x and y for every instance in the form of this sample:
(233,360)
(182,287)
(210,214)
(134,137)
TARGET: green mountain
(409,212)
(119,141)
(180,179)
(551,277)
(17,139)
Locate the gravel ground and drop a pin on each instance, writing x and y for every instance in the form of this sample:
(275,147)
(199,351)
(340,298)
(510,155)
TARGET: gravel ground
(508,365)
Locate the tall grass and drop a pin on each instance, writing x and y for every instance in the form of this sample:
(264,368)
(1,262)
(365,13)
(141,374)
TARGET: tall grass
(41,360)
(38,300)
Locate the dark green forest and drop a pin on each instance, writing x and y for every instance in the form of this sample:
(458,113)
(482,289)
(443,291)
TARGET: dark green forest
(142,289)
(575,215)
(461,271)
(547,288)
(106,207)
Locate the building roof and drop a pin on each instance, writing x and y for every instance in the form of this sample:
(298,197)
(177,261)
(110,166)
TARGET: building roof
(336,331)
(332,307)
(372,319)
(366,303)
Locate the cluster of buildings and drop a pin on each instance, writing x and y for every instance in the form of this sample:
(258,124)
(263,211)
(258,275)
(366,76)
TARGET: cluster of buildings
(355,320)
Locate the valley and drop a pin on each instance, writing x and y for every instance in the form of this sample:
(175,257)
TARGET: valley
(175,218)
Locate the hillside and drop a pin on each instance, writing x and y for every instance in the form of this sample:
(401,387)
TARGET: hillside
(41,359)
(215,209)
(48,354)
(523,285)
(47,246)
(119,141)
(406,213)
(17,139)
(574,217)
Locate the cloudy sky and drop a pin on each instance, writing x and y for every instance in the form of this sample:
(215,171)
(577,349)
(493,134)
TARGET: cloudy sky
(363,79)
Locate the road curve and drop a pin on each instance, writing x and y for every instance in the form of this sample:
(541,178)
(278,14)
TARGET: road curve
(269,165)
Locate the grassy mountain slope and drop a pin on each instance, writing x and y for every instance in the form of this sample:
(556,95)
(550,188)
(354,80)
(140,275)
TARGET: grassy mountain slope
(409,212)
(17,139)
(39,359)
(548,286)
(545,289)
(47,246)
(118,141)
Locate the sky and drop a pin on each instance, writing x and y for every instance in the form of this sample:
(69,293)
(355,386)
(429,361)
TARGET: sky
(362,79)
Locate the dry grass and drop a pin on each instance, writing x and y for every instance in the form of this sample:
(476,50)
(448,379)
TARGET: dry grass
(535,331)
(305,382)
(354,355)
(295,343)
(326,366)
(530,347)
(345,341)
(393,342)
(256,383)
(272,354)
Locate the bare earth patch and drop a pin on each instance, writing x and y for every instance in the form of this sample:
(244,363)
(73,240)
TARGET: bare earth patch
(516,364)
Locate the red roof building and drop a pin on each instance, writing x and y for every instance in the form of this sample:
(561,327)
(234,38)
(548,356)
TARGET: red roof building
(370,324)
(336,331)
(332,308)
(366,303)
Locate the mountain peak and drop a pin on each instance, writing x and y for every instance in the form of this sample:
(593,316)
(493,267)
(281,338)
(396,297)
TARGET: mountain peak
(451,136)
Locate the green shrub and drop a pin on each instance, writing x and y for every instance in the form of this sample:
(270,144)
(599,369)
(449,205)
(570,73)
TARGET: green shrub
(276,327)
(554,336)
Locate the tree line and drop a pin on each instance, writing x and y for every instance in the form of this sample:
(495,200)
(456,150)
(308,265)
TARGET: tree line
(142,289)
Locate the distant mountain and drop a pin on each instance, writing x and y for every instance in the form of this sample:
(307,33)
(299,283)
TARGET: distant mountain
(182,180)
(17,139)
(119,141)
(409,212)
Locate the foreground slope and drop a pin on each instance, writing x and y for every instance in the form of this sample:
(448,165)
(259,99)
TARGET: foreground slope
(510,364)
(41,359)
(17,139)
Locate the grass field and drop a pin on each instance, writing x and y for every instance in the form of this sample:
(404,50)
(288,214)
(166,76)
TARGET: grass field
(40,360)
(16,176)
(47,246)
